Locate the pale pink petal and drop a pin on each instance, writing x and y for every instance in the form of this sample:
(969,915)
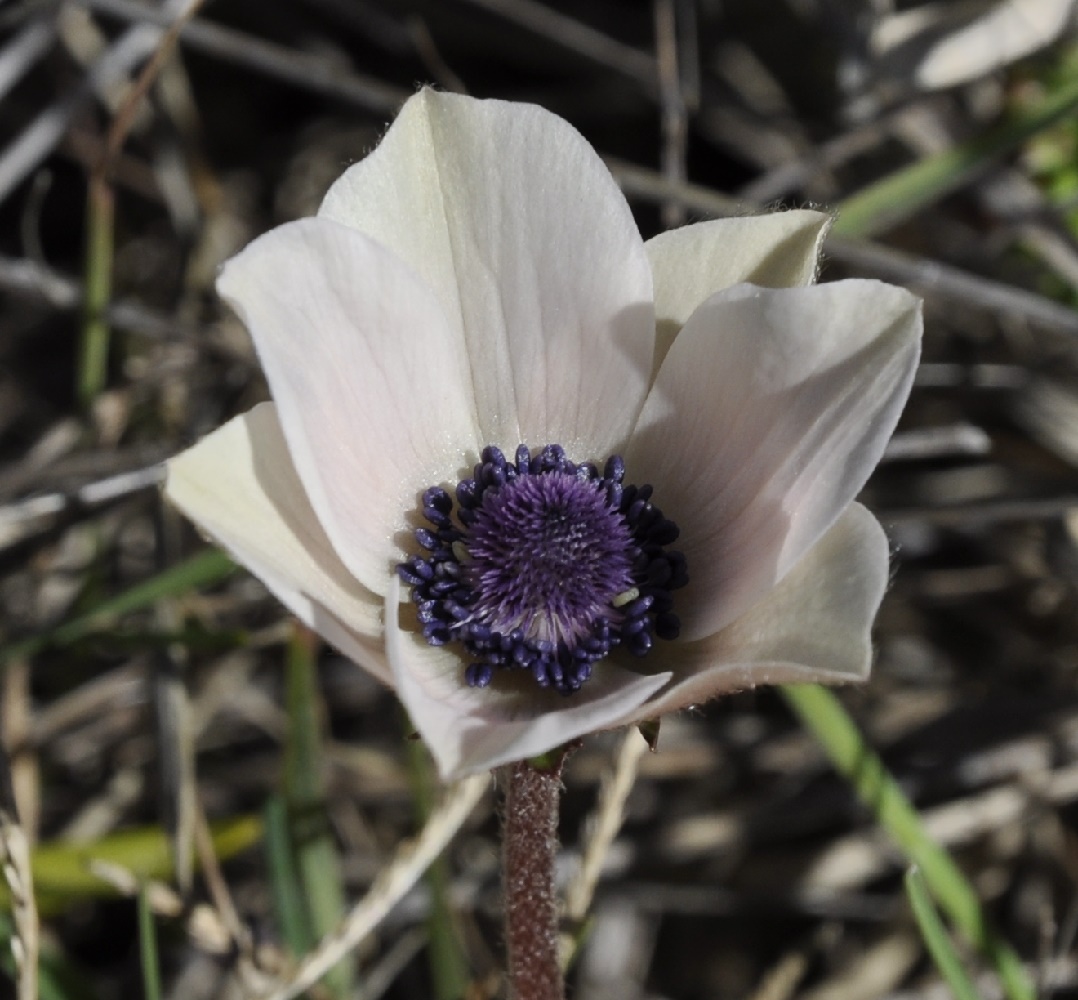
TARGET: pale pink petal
(813,627)
(769,413)
(510,216)
(475,729)
(239,486)
(370,381)
(690,264)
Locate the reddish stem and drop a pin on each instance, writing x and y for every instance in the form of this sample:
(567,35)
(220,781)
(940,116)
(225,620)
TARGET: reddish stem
(529,847)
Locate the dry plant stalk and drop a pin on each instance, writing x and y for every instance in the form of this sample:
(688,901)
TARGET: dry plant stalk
(603,825)
(15,860)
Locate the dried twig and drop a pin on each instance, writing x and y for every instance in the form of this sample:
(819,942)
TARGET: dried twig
(675,116)
(604,824)
(215,882)
(23,51)
(241,49)
(15,862)
(937,442)
(41,137)
(930,277)
(26,277)
(24,517)
(579,38)
(980,514)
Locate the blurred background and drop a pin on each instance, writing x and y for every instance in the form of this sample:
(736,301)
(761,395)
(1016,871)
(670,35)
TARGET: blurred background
(157,704)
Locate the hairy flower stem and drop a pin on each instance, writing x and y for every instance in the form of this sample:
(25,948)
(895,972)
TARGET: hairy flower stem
(529,847)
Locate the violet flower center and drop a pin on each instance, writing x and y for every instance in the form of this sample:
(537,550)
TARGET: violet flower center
(547,566)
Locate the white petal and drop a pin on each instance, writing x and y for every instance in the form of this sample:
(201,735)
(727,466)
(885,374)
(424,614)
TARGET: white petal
(813,627)
(475,729)
(768,415)
(690,264)
(510,216)
(239,486)
(369,380)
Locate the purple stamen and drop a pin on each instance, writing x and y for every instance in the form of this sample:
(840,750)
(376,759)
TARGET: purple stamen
(547,567)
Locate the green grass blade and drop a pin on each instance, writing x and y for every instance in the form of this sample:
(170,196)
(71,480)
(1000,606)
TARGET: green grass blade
(312,839)
(448,964)
(207,567)
(937,939)
(62,872)
(823,715)
(907,191)
(288,901)
(94,346)
(147,939)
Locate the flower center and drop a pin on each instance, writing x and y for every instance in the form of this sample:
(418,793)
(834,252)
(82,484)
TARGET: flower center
(546,566)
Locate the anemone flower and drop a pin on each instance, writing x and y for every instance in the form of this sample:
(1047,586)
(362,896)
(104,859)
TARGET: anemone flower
(536,475)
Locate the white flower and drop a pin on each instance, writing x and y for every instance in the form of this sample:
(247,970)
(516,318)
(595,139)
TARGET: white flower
(478,281)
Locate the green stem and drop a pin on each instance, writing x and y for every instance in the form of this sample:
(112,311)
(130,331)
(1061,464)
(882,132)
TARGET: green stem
(899,195)
(151,974)
(313,846)
(822,713)
(936,940)
(94,348)
(448,963)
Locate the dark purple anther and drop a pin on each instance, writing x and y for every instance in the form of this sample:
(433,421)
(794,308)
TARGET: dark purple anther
(547,567)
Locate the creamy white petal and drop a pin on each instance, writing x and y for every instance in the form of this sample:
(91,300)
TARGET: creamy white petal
(239,486)
(690,264)
(474,729)
(769,413)
(369,379)
(813,627)
(510,216)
